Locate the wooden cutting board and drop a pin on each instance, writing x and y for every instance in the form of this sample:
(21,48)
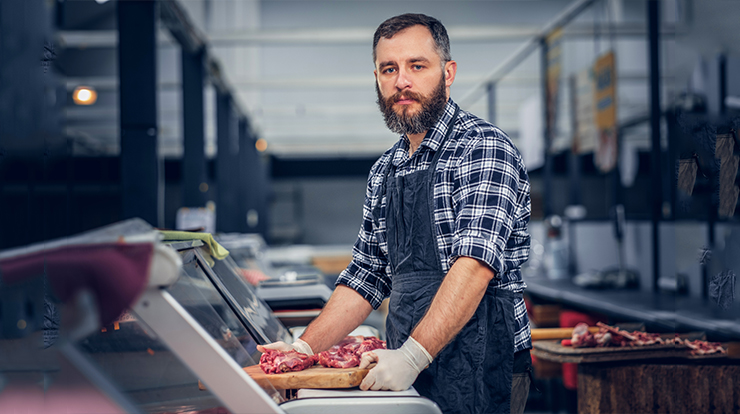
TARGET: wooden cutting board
(315,377)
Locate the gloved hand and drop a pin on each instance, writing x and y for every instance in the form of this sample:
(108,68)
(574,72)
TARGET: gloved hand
(397,368)
(299,345)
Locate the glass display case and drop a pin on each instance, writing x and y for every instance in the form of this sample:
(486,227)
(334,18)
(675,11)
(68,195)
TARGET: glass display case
(145,368)
(251,309)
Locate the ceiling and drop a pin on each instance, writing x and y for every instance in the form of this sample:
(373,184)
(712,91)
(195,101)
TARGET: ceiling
(302,70)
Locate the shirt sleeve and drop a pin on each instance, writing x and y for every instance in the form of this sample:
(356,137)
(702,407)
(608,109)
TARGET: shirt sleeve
(486,189)
(367,272)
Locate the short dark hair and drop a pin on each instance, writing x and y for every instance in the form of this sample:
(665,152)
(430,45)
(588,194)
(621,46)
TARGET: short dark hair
(390,27)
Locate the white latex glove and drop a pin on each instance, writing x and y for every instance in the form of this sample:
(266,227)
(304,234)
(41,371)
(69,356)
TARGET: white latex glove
(397,368)
(299,345)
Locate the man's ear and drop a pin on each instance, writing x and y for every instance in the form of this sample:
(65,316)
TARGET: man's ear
(450,72)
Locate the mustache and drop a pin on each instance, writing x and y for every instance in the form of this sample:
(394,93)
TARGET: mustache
(398,96)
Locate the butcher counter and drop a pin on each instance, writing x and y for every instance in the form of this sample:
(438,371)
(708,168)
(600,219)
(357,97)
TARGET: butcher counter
(651,380)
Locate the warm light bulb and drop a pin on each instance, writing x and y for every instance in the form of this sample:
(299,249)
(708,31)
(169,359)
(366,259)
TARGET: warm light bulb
(84,95)
(261,145)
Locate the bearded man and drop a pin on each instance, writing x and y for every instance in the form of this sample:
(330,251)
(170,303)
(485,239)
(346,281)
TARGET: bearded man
(444,235)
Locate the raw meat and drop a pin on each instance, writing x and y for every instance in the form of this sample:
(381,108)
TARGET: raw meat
(582,338)
(339,358)
(634,338)
(615,337)
(611,336)
(369,344)
(347,353)
(276,362)
(703,347)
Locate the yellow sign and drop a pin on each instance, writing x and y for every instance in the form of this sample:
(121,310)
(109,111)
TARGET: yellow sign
(606,111)
(606,96)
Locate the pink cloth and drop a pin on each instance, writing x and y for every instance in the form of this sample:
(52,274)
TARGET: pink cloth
(31,399)
(68,391)
(116,273)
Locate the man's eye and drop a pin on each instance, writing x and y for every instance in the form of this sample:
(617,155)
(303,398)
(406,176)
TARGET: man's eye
(418,67)
(389,70)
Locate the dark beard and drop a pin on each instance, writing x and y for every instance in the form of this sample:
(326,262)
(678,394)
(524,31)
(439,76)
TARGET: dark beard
(431,110)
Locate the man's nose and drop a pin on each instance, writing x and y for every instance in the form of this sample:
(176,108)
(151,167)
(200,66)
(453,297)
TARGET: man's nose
(403,81)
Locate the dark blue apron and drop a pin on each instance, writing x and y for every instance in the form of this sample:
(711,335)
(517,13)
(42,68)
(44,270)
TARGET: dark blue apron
(473,373)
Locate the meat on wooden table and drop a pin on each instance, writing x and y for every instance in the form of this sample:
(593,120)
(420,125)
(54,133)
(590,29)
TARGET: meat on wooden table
(345,354)
(610,336)
(275,362)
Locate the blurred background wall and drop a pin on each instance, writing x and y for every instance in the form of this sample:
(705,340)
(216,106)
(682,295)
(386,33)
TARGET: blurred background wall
(287,127)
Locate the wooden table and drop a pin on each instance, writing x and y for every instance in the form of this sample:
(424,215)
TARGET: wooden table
(652,379)
(317,376)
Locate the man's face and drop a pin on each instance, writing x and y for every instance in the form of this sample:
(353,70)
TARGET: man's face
(412,85)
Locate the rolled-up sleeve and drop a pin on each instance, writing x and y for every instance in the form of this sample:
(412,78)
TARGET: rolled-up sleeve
(367,272)
(486,188)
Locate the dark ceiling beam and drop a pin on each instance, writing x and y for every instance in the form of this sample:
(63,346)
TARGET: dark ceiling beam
(141,186)
(228,180)
(175,19)
(194,183)
(656,171)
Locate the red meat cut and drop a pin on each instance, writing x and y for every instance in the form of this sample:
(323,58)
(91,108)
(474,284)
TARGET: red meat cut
(339,358)
(276,362)
(347,353)
(370,343)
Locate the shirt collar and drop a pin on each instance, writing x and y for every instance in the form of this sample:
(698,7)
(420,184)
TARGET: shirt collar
(434,136)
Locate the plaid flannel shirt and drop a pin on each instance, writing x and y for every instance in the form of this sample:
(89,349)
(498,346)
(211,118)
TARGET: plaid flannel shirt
(482,208)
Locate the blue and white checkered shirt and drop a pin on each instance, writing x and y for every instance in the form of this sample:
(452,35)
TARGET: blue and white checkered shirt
(482,208)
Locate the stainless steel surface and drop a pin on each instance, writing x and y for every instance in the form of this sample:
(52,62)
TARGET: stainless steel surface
(291,291)
(362,405)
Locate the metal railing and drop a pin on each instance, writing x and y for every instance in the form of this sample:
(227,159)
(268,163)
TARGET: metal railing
(523,51)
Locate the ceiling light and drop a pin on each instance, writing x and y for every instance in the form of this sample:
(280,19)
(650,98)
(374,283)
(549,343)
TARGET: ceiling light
(84,95)
(101,1)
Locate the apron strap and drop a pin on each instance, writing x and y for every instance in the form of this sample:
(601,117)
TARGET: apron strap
(376,210)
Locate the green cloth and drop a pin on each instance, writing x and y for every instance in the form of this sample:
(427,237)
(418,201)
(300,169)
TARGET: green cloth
(216,250)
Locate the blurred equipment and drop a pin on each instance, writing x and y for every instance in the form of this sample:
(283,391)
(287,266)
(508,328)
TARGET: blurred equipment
(196,218)
(612,278)
(294,290)
(556,250)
